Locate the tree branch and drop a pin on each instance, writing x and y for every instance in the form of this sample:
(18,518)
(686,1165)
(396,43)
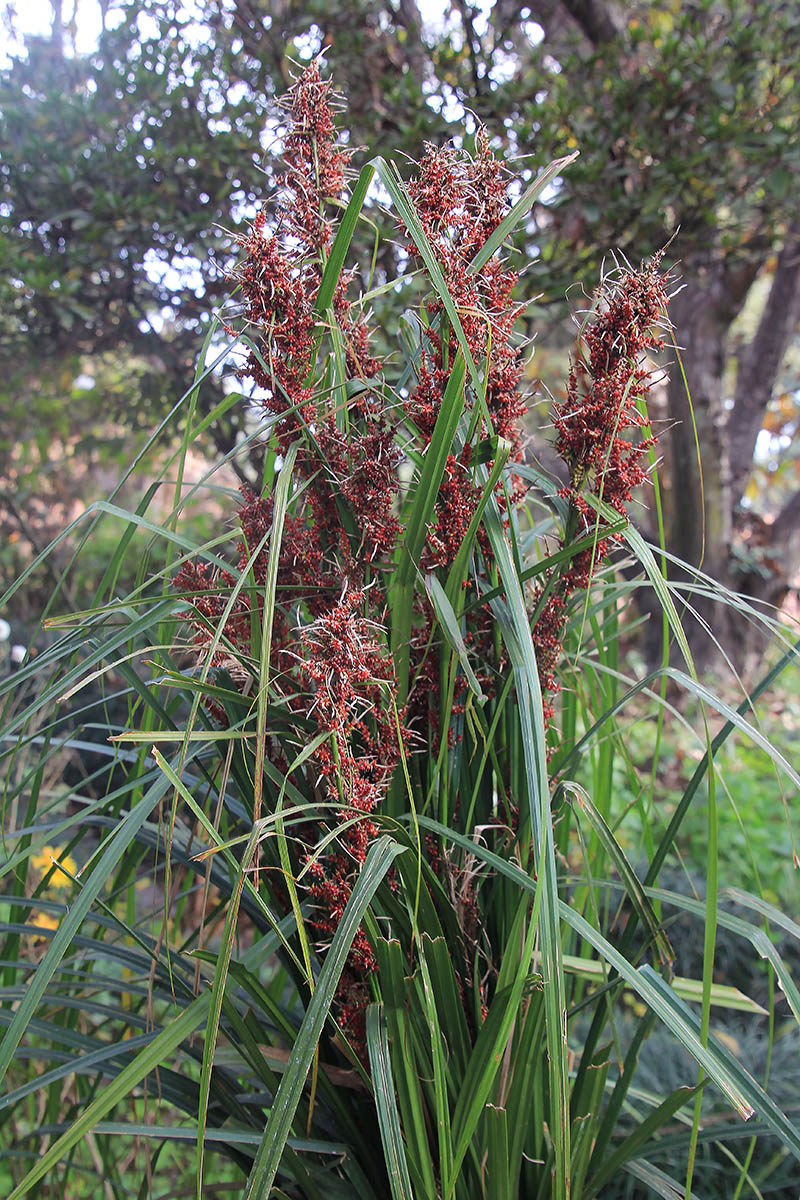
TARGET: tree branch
(473,42)
(408,15)
(596,20)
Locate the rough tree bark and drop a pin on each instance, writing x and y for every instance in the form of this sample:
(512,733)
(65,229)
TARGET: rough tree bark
(701,482)
(703,518)
(761,360)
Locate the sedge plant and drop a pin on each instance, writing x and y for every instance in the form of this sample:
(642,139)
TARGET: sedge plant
(355,906)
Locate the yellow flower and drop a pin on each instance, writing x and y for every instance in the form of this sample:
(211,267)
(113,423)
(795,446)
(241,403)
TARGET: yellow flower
(40,862)
(633,1002)
(44,860)
(45,920)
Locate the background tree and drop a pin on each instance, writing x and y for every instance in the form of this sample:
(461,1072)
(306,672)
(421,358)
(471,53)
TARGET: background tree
(689,121)
(122,170)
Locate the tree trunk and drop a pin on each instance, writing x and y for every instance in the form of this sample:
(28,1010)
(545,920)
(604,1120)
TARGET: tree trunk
(698,501)
(760,362)
(709,470)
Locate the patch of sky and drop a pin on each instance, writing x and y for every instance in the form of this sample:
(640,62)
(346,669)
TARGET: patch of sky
(770,448)
(35,18)
(309,43)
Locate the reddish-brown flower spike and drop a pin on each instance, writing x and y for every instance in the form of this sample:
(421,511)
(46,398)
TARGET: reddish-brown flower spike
(607,386)
(351,676)
(600,435)
(460,200)
(314,160)
(282,270)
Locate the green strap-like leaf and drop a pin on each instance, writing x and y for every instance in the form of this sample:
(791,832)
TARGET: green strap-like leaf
(420,514)
(657,1181)
(746,1095)
(151,1057)
(633,1143)
(452,631)
(344,236)
(519,211)
(394,1150)
(273,1142)
(633,887)
(122,838)
(516,631)
(405,210)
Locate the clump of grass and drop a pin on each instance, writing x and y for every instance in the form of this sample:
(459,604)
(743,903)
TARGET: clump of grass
(386,909)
